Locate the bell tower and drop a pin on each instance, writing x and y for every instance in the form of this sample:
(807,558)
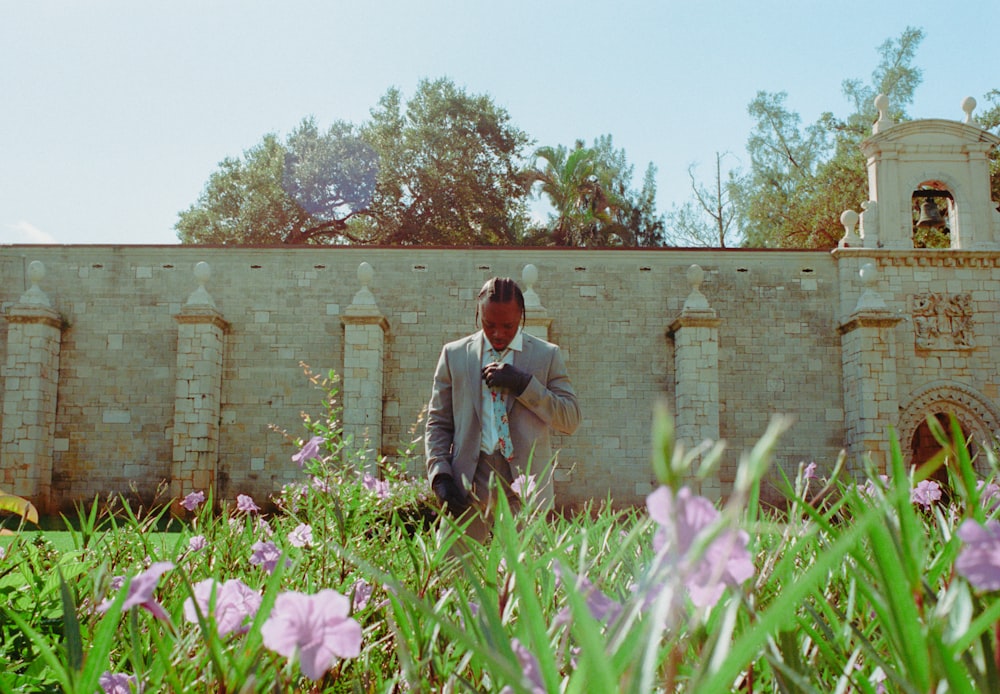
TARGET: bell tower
(929,183)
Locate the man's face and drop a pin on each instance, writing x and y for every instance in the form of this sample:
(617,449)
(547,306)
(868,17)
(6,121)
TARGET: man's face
(500,322)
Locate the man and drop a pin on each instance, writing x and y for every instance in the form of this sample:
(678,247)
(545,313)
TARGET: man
(496,395)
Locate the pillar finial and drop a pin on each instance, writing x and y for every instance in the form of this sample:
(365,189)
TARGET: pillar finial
(884,119)
(200,296)
(696,301)
(35,296)
(364,296)
(849,220)
(968,106)
(529,275)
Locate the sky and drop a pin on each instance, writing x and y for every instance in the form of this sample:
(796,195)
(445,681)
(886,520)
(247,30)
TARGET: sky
(114,113)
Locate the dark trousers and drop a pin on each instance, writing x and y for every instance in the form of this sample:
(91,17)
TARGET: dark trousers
(492,473)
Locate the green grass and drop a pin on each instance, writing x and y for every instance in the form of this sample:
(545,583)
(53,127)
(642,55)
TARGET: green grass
(62,540)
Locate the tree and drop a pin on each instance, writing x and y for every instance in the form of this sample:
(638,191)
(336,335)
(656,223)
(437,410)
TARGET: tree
(332,177)
(710,218)
(589,189)
(990,120)
(304,191)
(243,202)
(450,169)
(569,180)
(447,171)
(648,227)
(800,180)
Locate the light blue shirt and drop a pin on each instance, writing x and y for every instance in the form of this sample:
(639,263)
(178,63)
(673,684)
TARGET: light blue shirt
(490,438)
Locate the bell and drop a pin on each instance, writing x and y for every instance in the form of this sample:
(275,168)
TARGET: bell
(930,216)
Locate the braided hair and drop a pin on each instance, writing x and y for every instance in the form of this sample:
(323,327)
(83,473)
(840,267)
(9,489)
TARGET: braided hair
(500,290)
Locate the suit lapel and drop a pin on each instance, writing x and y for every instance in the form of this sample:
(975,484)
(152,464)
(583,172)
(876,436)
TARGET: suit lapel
(475,375)
(523,360)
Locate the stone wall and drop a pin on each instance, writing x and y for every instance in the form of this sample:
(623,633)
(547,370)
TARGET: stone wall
(770,323)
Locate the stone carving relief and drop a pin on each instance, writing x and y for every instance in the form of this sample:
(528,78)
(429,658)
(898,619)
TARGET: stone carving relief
(943,321)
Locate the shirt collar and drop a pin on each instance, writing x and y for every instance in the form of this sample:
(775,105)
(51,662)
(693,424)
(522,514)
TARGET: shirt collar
(515,345)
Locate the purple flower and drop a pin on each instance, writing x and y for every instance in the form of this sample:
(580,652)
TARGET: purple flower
(245,503)
(235,604)
(989,494)
(524,485)
(320,485)
(117,683)
(682,520)
(302,536)
(264,528)
(3,552)
(529,667)
(362,592)
(140,591)
(374,484)
(810,472)
(979,559)
(309,451)
(197,542)
(602,607)
(926,493)
(317,627)
(870,489)
(193,500)
(266,555)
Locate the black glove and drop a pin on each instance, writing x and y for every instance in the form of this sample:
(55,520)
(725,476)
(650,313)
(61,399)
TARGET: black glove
(450,494)
(506,376)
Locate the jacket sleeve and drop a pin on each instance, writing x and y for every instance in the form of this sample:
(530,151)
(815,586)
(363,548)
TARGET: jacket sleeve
(554,400)
(439,430)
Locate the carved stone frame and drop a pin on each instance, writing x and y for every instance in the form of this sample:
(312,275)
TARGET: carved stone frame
(977,415)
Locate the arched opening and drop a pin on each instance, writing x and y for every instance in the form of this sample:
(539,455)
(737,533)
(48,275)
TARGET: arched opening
(933,212)
(978,418)
(923,447)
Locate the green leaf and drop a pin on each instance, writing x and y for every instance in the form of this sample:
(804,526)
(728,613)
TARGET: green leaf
(903,621)
(19,505)
(663,446)
(48,654)
(911,535)
(594,673)
(71,626)
(525,586)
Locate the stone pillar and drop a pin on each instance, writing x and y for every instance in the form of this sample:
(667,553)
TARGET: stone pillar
(364,348)
(536,317)
(868,348)
(201,332)
(31,381)
(696,364)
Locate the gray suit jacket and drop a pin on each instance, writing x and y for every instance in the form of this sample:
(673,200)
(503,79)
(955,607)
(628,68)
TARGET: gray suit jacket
(454,424)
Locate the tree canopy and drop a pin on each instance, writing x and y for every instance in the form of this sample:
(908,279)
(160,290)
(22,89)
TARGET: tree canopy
(331,176)
(444,168)
(802,178)
(592,199)
(990,119)
(448,167)
(305,190)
